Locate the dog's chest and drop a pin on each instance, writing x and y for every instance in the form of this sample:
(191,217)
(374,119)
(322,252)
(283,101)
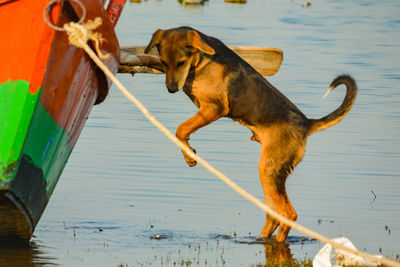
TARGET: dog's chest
(207,87)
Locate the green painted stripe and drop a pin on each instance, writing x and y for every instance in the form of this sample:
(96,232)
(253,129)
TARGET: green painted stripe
(30,131)
(47,146)
(16,107)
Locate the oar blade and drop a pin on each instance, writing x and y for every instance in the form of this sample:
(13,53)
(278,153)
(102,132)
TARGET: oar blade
(265,60)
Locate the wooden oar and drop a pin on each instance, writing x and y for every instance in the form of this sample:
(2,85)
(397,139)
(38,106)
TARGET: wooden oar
(265,60)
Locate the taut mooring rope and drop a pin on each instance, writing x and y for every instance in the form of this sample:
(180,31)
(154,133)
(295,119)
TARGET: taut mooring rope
(83,44)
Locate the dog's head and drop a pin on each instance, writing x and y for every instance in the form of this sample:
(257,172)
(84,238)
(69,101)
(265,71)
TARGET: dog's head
(179,50)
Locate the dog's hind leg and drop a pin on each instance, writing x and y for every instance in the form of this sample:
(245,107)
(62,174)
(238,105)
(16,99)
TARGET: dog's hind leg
(270,223)
(291,214)
(274,168)
(275,196)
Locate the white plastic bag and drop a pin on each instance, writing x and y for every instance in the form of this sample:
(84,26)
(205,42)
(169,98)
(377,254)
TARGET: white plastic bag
(342,258)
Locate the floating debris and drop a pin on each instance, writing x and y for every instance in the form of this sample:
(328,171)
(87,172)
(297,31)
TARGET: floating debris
(159,236)
(387,229)
(306,4)
(374,196)
(328,220)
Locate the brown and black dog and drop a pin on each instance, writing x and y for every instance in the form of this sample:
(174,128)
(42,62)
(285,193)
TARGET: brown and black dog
(221,84)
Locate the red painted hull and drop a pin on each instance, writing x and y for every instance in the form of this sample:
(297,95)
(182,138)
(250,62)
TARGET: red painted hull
(70,67)
(68,84)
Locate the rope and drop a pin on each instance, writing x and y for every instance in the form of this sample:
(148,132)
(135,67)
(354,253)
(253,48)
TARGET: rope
(78,31)
(81,42)
(81,33)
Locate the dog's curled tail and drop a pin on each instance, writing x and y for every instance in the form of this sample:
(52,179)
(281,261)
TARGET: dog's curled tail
(338,114)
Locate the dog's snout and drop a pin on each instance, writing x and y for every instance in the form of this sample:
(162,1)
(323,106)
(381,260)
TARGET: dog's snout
(173,89)
(172,86)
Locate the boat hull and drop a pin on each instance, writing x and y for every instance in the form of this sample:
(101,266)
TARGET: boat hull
(45,105)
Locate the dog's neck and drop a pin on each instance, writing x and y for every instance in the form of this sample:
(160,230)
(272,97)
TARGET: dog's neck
(202,61)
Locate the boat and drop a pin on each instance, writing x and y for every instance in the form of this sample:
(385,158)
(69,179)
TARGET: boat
(192,2)
(236,1)
(47,90)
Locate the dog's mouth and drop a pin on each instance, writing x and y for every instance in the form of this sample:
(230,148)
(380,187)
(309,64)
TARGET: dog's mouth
(173,86)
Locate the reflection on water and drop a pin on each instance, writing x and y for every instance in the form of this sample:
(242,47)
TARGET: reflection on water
(127,196)
(277,253)
(24,254)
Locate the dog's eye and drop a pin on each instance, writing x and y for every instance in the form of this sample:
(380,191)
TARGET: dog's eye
(180,64)
(164,63)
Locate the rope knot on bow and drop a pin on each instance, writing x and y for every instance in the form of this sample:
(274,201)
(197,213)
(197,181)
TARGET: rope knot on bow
(80,34)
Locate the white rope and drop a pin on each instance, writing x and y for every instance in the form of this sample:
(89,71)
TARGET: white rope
(217,173)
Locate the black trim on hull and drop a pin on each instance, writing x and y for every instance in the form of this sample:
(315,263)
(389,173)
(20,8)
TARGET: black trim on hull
(22,205)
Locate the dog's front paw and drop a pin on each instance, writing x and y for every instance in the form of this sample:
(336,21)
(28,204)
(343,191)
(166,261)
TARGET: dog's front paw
(189,160)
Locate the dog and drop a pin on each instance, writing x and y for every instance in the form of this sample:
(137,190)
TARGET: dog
(221,84)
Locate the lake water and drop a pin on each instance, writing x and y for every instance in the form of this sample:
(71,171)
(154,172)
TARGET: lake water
(127,196)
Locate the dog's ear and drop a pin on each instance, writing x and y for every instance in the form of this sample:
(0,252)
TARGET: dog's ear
(195,41)
(155,40)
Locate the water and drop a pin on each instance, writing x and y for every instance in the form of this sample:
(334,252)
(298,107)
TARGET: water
(127,196)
